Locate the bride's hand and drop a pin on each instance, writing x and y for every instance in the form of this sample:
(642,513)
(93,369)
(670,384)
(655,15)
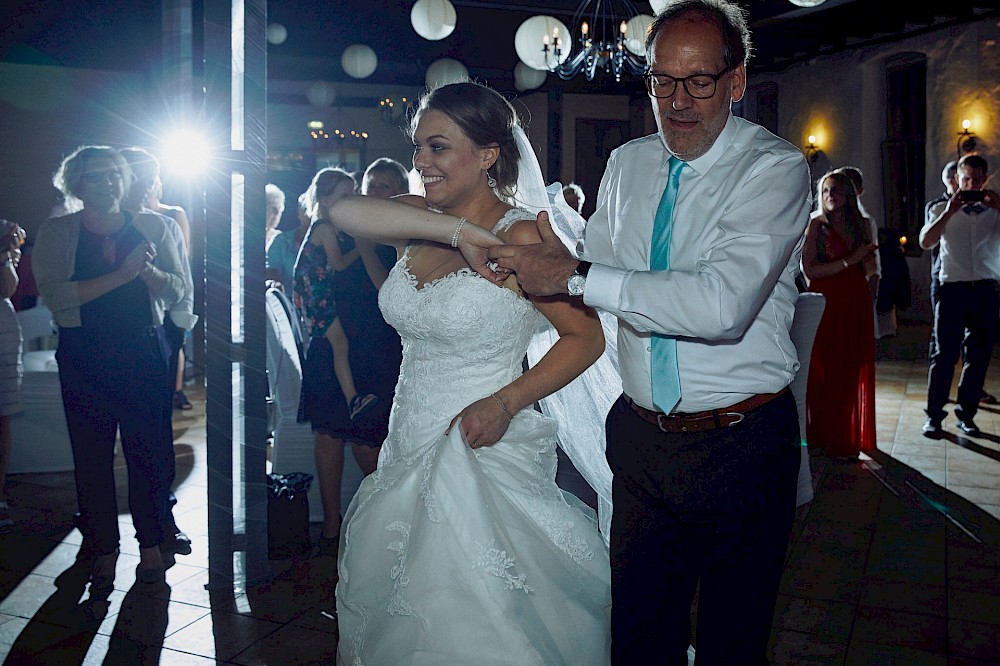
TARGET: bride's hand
(474,242)
(483,423)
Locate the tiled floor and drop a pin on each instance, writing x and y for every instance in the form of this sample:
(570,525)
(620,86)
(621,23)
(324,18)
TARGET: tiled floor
(897,561)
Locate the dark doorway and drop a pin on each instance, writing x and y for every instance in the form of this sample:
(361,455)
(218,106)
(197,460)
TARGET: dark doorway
(903,151)
(595,139)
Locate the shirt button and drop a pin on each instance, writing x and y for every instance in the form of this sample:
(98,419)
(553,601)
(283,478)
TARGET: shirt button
(649,349)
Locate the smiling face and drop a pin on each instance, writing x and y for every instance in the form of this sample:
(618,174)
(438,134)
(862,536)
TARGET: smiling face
(452,168)
(101,185)
(687,46)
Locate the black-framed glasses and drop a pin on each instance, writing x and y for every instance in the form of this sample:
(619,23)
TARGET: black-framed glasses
(95,177)
(698,86)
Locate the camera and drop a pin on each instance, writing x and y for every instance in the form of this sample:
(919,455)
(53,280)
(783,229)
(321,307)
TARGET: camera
(970,196)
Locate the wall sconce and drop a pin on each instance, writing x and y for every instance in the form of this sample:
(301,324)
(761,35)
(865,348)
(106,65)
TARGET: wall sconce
(966,139)
(812,150)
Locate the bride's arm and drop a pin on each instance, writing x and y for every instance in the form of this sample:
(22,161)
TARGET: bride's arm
(580,344)
(392,221)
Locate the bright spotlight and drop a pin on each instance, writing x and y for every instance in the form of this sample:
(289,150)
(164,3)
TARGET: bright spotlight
(185,153)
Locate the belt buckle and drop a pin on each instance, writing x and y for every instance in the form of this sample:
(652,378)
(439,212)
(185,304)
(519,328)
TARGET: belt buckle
(740,418)
(659,421)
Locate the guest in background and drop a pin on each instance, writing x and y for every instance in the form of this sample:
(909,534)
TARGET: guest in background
(838,262)
(967,226)
(177,324)
(857,178)
(894,287)
(949,178)
(109,277)
(328,385)
(148,181)
(283,249)
(274,206)
(574,196)
(10,355)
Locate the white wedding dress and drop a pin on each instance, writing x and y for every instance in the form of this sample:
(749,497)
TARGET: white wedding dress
(451,555)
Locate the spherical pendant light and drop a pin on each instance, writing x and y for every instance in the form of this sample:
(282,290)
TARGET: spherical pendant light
(806,3)
(657,5)
(527,78)
(635,34)
(444,71)
(433,19)
(530,37)
(276,33)
(359,61)
(321,94)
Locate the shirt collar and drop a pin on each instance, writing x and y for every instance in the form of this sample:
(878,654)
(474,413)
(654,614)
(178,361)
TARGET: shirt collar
(702,164)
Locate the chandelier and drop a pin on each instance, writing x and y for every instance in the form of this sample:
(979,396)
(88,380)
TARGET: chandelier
(606,35)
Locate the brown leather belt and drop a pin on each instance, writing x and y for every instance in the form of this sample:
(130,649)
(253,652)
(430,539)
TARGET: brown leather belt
(709,419)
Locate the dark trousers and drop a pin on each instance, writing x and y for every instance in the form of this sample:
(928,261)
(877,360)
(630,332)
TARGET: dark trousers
(111,382)
(175,342)
(965,317)
(710,509)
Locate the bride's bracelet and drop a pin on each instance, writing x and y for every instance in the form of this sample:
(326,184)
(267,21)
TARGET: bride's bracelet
(458,230)
(503,407)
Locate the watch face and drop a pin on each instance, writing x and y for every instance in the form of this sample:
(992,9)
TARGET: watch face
(575,285)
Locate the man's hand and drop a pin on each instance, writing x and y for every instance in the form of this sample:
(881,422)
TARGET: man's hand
(991,199)
(474,243)
(542,269)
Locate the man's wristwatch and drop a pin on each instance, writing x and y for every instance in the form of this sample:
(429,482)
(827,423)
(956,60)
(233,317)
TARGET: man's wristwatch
(578,280)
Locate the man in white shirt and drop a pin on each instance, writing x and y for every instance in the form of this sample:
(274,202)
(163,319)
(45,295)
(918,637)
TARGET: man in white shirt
(704,490)
(967,227)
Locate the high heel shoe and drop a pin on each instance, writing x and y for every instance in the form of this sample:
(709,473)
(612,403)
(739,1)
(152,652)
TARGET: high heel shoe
(102,575)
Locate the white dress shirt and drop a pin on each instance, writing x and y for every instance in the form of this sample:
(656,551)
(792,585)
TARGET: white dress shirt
(970,244)
(730,293)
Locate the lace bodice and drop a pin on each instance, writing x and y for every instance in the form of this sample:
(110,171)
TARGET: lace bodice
(463,338)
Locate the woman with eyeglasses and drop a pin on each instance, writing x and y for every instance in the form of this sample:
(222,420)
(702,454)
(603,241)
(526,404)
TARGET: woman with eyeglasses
(109,276)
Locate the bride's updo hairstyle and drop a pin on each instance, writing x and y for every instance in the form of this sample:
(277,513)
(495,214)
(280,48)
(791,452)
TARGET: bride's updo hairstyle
(486,118)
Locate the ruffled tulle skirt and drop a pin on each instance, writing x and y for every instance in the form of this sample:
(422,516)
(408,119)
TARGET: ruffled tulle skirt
(457,556)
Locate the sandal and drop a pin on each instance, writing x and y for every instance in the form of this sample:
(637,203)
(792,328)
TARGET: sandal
(361,404)
(181,401)
(6,522)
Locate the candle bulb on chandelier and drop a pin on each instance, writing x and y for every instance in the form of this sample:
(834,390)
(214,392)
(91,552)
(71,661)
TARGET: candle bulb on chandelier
(623,28)
(584,29)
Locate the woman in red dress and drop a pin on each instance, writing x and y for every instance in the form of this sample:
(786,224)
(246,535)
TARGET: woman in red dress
(838,260)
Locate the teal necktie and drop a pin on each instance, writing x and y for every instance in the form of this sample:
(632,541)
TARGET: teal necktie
(666,381)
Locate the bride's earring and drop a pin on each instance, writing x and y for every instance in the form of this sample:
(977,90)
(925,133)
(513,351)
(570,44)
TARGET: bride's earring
(490,180)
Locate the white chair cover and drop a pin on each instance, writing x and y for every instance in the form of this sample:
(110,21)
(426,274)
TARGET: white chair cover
(39,433)
(293,441)
(808,312)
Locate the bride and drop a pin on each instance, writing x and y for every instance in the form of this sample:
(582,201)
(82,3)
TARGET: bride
(460,548)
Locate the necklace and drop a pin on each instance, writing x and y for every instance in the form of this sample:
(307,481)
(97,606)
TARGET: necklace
(109,240)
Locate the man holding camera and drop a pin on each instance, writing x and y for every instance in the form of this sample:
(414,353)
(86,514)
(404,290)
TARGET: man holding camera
(967,227)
